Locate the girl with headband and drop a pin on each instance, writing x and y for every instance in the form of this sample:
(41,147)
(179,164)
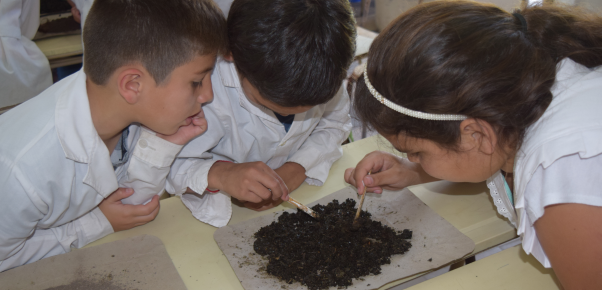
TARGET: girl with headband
(473,93)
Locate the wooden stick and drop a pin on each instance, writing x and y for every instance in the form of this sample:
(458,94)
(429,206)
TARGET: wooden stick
(359,208)
(303,208)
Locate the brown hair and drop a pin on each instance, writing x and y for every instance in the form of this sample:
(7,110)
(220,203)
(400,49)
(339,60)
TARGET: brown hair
(161,35)
(460,57)
(295,52)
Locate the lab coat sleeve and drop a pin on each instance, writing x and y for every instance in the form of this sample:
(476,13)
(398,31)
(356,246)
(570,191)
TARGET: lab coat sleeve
(148,167)
(323,146)
(21,210)
(211,208)
(46,243)
(191,167)
(191,170)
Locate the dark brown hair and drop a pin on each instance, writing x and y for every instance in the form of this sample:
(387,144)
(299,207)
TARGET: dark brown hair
(159,34)
(295,52)
(460,57)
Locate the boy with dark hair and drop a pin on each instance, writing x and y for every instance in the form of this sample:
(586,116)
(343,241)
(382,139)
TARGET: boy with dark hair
(68,160)
(280,113)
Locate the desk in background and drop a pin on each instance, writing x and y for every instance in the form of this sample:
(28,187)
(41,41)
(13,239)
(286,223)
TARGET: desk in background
(62,50)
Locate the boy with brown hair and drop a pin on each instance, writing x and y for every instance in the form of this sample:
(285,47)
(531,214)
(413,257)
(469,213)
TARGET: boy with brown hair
(280,112)
(68,158)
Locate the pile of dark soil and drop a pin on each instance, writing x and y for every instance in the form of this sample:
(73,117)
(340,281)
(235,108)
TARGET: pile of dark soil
(329,251)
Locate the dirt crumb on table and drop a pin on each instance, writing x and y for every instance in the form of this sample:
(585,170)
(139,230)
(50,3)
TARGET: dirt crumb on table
(82,284)
(328,251)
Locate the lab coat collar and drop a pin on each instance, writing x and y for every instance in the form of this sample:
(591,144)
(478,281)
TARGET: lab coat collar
(79,138)
(228,73)
(229,78)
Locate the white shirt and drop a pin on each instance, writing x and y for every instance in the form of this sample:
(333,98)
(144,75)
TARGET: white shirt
(560,159)
(240,131)
(55,170)
(84,7)
(24,70)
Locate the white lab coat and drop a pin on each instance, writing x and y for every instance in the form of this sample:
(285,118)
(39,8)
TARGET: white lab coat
(558,160)
(55,170)
(84,7)
(24,70)
(242,132)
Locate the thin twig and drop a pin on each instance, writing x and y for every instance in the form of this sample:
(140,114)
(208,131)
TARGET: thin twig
(303,208)
(359,208)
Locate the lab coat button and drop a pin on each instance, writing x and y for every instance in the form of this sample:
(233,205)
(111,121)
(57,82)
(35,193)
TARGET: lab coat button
(143,143)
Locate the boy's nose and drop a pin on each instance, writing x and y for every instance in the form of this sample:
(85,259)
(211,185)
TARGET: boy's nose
(206,95)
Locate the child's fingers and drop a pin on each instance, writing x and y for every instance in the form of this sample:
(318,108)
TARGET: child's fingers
(372,163)
(146,209)
(349,176)
(382,179)
(273,182)
(376,189)
(285,196)
(257,193)
(200,123)
(120,194)
(359,174)
(283,189)
(152,215)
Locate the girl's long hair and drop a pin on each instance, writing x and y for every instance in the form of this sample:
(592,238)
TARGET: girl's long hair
(460,57)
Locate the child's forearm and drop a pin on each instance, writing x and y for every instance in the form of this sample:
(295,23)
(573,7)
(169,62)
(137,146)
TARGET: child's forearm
(218,170)
(293,175)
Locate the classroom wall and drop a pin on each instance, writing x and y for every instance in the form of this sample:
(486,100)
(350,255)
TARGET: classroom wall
(594,5)
(387,10)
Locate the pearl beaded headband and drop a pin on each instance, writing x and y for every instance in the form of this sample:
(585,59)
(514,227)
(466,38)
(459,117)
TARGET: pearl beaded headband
(406,111)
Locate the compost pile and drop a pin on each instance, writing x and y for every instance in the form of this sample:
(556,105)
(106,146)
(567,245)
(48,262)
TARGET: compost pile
(328,251)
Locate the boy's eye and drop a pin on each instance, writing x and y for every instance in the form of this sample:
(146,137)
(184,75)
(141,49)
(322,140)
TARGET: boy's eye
(196,84)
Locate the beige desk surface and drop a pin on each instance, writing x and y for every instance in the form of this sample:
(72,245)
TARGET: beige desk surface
(509,269)
(62,46)
(202,265)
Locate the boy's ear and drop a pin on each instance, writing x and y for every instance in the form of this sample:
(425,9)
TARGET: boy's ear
(130,84)
(477,134)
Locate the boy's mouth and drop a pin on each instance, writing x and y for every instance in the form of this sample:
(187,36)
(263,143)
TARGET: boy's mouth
(189,119)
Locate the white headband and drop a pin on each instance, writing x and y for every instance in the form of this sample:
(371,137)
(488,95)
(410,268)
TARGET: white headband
(406,111)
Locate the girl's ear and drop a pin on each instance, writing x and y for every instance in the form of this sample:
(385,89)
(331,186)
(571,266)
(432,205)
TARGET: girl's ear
(478,135)
(229,57)
(130,84)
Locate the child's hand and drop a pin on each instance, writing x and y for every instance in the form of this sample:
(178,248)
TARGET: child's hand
(254,181)
(126,216)
(263,205)
(388,172)
(77,16)
(197,126)
(293,175)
